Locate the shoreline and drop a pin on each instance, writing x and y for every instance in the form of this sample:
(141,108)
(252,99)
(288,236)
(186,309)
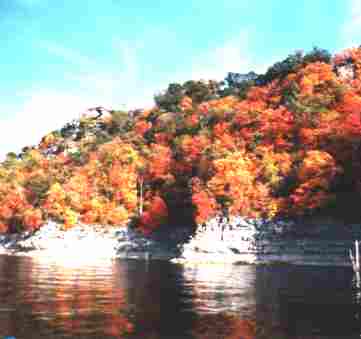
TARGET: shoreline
(238,241)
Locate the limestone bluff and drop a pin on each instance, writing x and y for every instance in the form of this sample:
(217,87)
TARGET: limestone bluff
(279,145)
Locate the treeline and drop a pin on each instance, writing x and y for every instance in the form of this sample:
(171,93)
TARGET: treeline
(281,144)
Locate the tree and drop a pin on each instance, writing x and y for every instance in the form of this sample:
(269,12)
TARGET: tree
(317,55)
(170,99)
(238,84)
(281,69)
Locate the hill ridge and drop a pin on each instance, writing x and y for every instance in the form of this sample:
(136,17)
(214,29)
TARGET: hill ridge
(282,144)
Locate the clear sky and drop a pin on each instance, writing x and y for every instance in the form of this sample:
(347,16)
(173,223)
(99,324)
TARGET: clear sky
(60,57)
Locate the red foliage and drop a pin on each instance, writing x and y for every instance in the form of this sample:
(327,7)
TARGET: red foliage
(155,215)
(205,205)
(293,137)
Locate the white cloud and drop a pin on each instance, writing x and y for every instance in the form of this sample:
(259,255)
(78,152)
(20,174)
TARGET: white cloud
(123,86)
(233,55)
(45,110)
(42,112)
(215,64)
(67,54)
(118,87)
(352,27)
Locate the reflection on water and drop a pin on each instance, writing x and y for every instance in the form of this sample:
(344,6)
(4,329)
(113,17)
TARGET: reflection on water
(131,299)
(44,299)
(222,288)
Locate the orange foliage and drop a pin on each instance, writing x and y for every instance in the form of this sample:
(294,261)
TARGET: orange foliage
(192,120)
(3,228)
(315,74)
(317,163)
(160,161)
(192,147)
(142,126)
(315,174)
(205,205)
(186,103)
(280,150)
(33,218)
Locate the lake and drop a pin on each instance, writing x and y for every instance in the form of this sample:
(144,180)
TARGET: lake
(45,298)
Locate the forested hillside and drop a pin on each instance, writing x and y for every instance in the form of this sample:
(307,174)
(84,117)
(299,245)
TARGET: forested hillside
(281,144)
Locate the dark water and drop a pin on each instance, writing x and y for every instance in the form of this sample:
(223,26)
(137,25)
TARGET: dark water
(134,299)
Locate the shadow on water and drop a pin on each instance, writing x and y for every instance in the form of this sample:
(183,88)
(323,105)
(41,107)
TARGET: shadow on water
(159,300)
(309,302)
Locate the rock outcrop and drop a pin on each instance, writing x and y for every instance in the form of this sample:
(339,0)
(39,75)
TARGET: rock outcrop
(237,240)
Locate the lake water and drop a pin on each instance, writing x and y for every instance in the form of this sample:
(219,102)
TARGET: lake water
(42,298)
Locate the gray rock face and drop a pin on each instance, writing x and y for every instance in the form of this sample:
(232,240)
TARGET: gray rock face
(315,242)
(87,241)
(312,242)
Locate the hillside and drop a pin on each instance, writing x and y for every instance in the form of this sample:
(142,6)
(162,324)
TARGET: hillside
(282,144)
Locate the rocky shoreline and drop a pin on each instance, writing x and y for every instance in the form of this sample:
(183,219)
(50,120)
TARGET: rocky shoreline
(180,245)
(88,242)
(236,240)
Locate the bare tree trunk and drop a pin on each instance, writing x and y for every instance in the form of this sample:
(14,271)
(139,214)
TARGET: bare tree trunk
(355,260)
(141,196)
(357,256)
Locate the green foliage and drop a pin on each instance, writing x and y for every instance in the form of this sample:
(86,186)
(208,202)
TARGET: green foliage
(68,130)
(238,84)
(38,186)
(78,157)
(200,91)
(317,54)
(281,69)
(171,98)
(292,64)
(253,145)
(10,160)
(120,122)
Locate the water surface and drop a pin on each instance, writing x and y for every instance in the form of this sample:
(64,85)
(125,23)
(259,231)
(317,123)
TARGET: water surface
(42,298)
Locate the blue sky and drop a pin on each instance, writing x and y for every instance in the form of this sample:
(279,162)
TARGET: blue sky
(59,58)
